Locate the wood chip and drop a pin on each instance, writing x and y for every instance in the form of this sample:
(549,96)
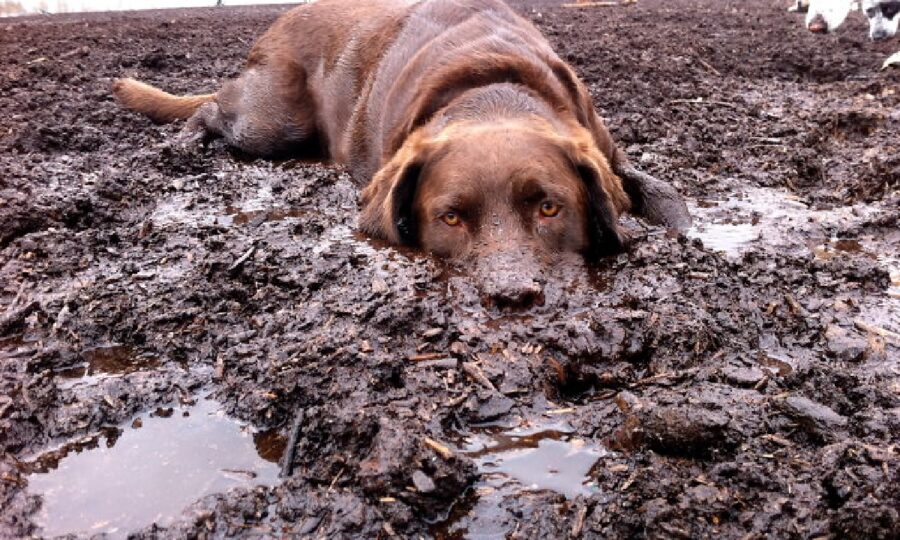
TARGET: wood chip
(475,372)
(627,483)
(239,262)
(777,439)
(877,330)
(441,449)
(428,356)
(578,526)
(445,363)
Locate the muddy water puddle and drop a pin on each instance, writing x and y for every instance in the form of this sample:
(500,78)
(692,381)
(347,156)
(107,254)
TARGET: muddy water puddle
(516,464)
(148,470)
(774,220)
(179,212)
(247,216)
(103,362)
(765,218)
(736,224)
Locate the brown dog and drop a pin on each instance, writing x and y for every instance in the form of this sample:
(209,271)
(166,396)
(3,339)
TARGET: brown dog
(473,139)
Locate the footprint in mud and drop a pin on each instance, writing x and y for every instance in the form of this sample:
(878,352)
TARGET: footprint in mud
(148,470)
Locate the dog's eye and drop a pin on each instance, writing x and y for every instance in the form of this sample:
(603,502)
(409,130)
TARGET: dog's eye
(451,218)
(549,209)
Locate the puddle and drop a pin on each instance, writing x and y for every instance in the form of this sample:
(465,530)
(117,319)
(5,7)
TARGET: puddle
(517,464)
(767,219)
(270,445)
(103,362)
(779,363)
(240,216)
(33,7)
(735,224)
(730,238)
(146,471)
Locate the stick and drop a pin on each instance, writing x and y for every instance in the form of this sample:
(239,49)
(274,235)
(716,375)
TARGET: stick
(877,330)
(701,101)
(441,449)
(428,356)
(287,465)
(590,4)
(475,372)
(241,260)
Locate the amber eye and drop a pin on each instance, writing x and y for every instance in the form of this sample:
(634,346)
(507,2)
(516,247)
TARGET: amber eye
(451,218)
(549,209)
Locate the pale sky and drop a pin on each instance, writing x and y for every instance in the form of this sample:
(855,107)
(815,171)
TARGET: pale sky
(18,7)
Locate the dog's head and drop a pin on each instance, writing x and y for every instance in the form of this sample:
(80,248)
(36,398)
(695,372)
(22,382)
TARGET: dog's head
(884,16)
(508,198)
(825,16)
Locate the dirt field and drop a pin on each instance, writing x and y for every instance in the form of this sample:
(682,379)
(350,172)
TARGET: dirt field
(742,381)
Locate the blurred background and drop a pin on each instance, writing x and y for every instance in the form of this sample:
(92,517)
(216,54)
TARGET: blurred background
(11,8)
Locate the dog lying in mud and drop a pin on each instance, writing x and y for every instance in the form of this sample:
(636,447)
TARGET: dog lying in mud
(473,139)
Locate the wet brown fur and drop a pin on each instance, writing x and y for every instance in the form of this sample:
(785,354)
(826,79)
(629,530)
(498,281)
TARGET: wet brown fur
(382,85)
(160,106)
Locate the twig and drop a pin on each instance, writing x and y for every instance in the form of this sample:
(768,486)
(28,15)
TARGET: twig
(475,372)
(428,356)
(590,4)
(708,66)
(446,363)
(701,101)
(578,526)
(241,260)
(287,465)
(441,449)
(661,376)
(336,478)
(877,330)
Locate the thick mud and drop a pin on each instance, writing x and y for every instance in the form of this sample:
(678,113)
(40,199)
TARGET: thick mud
(740,381)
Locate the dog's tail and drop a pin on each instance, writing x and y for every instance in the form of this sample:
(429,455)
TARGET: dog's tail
(160,106)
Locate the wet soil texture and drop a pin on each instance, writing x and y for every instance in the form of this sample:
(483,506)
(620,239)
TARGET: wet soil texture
(740,381)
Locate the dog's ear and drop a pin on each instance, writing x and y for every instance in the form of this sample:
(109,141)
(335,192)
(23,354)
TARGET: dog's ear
(387,202)
(606,197)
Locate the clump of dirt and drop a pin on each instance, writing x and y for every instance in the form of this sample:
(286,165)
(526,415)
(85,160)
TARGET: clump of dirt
(750,392)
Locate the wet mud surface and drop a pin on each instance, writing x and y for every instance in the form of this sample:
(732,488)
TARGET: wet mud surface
(739,381)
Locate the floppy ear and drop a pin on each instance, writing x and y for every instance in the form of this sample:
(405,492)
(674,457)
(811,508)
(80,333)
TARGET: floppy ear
(606,197)
(387,202)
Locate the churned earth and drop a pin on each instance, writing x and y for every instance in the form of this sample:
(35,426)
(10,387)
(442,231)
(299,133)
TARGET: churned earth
(168,320)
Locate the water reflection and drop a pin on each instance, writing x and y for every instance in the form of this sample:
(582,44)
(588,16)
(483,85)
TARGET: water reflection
(148,470)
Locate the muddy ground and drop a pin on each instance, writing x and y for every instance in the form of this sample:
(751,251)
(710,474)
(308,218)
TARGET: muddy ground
(741,388)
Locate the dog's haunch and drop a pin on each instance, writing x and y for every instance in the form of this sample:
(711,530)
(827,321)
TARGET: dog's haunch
(471,138)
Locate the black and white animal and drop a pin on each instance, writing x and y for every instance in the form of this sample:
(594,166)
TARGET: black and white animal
(823,16)
(884,16)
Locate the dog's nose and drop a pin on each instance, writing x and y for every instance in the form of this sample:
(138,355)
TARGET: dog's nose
(515,294)
(818,25)
(509,281)
(878,35)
